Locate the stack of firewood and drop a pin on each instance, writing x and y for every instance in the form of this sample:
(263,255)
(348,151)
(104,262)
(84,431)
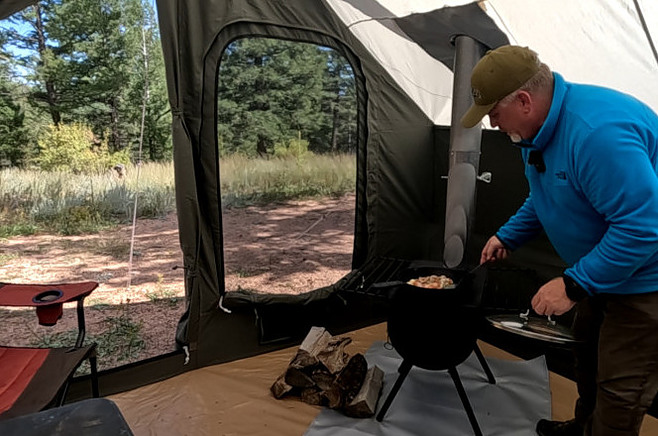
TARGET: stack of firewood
(323,374)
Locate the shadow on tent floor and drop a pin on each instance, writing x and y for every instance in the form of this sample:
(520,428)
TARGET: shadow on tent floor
(234,398)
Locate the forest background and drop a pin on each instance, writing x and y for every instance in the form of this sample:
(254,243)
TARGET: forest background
(82,89)
(85,131)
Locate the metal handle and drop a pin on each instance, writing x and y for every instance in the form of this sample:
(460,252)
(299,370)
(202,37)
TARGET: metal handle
(525,316)
(484,177)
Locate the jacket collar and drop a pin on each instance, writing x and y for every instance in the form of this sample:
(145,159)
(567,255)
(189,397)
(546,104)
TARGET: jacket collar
(543,137)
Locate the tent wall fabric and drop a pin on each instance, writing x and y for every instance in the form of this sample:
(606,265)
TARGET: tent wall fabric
(398,212)
(401,53)
(396,160)
(9,7)
(405,82)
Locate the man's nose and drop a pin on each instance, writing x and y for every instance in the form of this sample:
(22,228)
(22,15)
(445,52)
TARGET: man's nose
(493,121)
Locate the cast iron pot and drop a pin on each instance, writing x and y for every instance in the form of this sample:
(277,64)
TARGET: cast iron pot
(435,329)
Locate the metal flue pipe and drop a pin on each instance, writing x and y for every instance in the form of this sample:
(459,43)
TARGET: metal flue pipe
(464,155)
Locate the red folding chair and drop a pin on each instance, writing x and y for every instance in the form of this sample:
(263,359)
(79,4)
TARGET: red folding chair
(31,378)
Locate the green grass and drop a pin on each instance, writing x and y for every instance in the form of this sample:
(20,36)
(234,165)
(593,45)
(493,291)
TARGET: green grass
(163,296)
(66,203)
(120,341)
(15,227)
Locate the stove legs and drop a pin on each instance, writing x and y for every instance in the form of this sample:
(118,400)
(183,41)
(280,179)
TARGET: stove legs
(404,371)
(485,365)
(467,404)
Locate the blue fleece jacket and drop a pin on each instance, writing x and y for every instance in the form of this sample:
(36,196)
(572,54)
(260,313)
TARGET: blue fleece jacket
(597,200)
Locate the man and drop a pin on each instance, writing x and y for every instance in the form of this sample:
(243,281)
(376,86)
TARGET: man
(591,157)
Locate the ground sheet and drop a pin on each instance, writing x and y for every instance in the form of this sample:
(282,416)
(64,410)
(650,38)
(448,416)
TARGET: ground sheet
(428,403)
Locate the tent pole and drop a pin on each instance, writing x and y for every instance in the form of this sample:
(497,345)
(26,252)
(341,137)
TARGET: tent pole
(464,155)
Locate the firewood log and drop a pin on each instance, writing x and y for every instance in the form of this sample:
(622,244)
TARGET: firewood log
(333,356)
(296,377)
(280,387)
(323,374)
(323,379)
(351,377)
(333,397)
(311,396)
(315,341)
(364,403)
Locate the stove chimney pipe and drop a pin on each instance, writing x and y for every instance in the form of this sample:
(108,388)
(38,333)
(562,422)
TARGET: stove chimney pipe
(464,155)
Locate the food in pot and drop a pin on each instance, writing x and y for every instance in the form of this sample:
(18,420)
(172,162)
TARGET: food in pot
(431,282)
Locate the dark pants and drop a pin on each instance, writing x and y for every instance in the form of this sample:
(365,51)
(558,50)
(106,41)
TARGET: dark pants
(617,364)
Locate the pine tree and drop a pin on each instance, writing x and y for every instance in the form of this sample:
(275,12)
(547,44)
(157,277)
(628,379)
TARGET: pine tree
(272,91)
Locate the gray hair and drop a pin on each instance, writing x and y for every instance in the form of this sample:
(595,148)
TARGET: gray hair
(543,79)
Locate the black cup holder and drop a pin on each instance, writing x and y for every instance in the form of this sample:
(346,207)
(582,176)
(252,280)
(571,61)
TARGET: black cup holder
(48,296)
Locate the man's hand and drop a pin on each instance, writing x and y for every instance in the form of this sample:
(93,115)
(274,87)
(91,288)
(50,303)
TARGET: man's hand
(493,250)
(551,299)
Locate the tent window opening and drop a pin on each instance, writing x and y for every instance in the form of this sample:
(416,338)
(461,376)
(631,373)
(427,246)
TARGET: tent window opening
(286,128)
(87,190)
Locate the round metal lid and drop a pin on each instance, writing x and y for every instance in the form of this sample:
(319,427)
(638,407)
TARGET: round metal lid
(533,327)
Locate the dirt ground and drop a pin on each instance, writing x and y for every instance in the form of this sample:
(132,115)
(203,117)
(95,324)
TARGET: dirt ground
(285,248)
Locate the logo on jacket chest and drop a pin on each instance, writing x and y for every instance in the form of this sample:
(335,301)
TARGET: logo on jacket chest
(560,178)
(561,175)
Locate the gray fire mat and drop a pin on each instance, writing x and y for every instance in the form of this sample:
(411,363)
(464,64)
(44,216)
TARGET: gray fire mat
(428,403)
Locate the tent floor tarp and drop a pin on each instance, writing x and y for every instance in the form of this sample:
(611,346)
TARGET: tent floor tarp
(234,398)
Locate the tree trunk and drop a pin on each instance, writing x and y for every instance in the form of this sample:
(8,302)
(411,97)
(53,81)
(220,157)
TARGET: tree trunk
(51,94)
(261,146)
(154,154)
(115,135)
(334,125)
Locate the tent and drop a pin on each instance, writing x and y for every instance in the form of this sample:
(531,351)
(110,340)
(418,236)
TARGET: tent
(421,188)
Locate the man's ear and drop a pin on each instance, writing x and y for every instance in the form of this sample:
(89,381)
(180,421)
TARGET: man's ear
(526,100)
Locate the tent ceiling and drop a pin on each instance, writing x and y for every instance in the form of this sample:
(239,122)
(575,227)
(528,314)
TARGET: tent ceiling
(603,42)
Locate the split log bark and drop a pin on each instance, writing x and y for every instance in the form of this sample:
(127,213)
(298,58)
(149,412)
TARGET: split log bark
(333,397)
(333,356)
(351,377)
(330,398)
(280,387)
(364,403)
(311,396)
(318,351)
(315,341)
(296,377)
(323,379)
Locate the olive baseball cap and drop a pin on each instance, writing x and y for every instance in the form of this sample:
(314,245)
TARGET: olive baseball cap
(499,73)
